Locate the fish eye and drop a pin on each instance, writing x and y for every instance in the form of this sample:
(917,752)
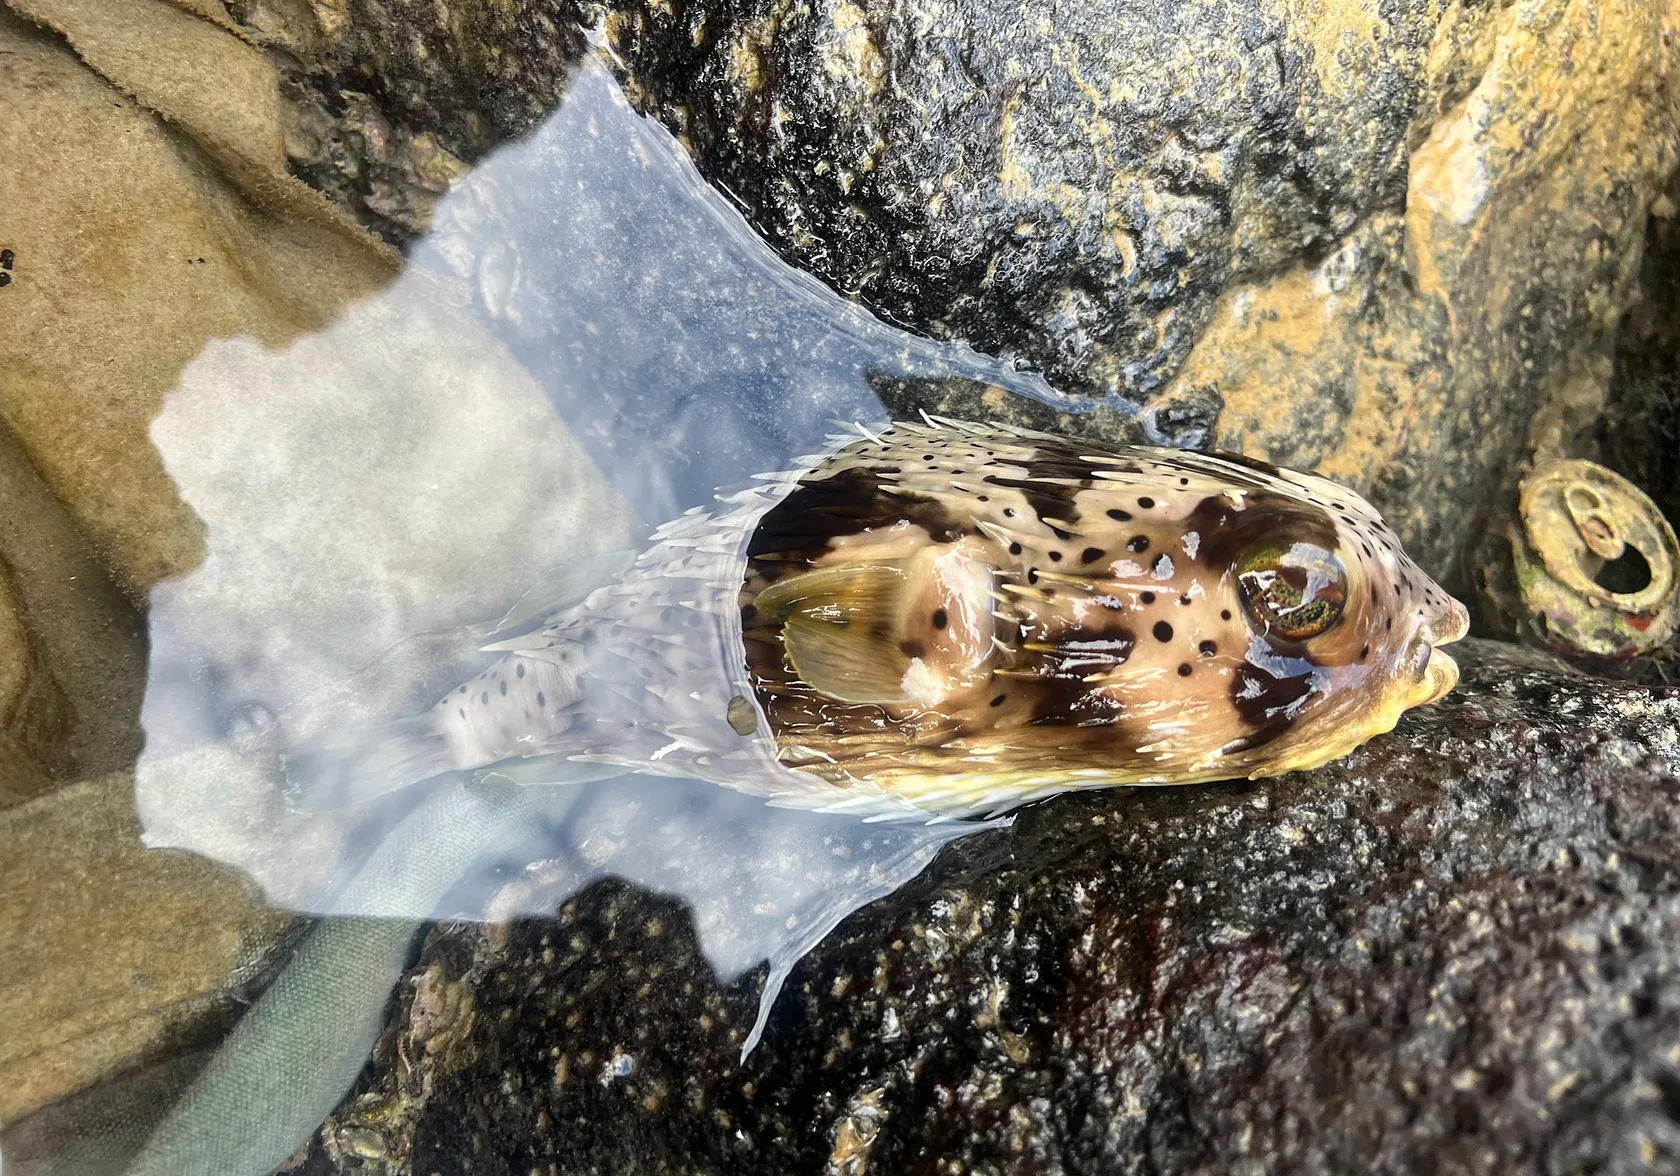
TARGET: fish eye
(1295,591)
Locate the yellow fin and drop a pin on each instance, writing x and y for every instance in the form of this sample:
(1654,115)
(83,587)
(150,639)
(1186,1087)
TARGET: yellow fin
(841,630)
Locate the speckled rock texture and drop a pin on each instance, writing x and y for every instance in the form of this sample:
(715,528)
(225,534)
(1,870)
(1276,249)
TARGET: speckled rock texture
(1370,239)
(1374,239)
(389,101)
(1454,951)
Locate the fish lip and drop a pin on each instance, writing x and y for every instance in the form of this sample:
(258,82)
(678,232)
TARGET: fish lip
(1440,676)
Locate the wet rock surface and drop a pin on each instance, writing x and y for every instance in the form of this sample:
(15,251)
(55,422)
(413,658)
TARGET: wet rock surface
(1376,240)
(118,957)
(389,101)
(1371,240)
(1452,951)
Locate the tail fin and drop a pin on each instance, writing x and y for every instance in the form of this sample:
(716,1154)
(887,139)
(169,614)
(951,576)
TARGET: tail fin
(353,767)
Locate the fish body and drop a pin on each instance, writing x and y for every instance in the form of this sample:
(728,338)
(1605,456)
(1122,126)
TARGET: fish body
(945,618)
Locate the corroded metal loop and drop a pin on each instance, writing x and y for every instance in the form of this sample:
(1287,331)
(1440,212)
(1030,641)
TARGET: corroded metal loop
(1598,565)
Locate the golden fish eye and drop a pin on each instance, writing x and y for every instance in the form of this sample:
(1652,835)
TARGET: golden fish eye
(1295,591)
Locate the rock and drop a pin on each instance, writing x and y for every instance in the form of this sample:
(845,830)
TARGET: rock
(153,212)
(117,957)
(388,101)
(1453,950)
(34,714)
(1640,431)
(1371,240)
(85,653)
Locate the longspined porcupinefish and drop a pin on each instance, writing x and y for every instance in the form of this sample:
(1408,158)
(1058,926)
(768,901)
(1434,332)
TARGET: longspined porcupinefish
(945,619)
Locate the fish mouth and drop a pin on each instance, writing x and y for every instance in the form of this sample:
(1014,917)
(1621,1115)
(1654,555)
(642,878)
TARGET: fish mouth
(1439,677)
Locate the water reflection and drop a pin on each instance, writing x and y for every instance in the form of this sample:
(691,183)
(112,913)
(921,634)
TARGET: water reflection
(591,340)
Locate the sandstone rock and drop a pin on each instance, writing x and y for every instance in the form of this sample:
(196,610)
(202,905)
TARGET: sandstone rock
(151,212)
(116,956)
(1452,951)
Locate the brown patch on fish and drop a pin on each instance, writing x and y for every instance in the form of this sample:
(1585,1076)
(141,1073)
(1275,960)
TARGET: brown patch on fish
(1123,649)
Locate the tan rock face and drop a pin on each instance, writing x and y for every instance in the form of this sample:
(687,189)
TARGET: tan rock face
(120,954)
(1409,363)
(34,714)
(132,248)
(151,215)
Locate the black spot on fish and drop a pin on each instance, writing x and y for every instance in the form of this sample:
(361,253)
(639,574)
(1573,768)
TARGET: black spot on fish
(1059,533)
(541,701)
(940,620)
(504,689)
(912,649)
(1224,614)
(1146,503)
(1014,549)
(519,669)
(1138,543)
(1120,516)
(461,711)
(484,699)
(1207,649)
(1091,555)
(1032,575)
(1184,670)
(1162,631)
(1146,598)
(1185,599)
(998,701)
(1056,557)
(1364,652)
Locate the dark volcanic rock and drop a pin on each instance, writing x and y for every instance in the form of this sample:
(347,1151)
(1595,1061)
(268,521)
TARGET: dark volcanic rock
(388,101)
(1073,183)
(1454,950)
(1368,237)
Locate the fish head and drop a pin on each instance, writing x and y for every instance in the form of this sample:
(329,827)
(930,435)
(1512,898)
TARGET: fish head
(1341,630)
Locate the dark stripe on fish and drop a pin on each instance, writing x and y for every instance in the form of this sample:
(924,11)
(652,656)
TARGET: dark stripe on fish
(1267,703)
(1054,474)
(848,502)
(1224,532)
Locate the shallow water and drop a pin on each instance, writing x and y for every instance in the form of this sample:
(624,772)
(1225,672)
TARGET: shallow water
(589,342)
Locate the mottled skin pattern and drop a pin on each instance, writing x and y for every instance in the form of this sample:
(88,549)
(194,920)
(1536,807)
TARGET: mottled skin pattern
(1111,643)
(943,620)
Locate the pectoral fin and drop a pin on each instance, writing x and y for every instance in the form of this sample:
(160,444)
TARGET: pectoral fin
(840,630)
